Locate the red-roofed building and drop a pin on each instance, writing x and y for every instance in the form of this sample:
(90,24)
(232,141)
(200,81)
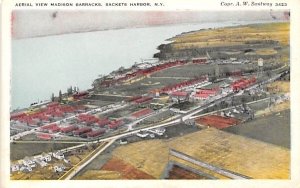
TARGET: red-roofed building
(54,129)
(131,99)
(143,99)
(80,95)
(68,129)
(49,126)
(179,94)
(53,104)
(183,84)
(44,136)
(16,116)
(88,118)
(82,131)
(242,83)
(201,96)
(200,60)
(141,113)
(115,124)
(96,133)
(103,122)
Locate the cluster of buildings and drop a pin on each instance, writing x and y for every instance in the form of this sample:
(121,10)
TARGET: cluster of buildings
(29,163)
(185,85)
(200,89)
(151,133)
(54,120)
(142,69)
(85,126)
(51,112)
(242,83)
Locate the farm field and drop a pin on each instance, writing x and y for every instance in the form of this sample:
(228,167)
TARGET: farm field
(229,151)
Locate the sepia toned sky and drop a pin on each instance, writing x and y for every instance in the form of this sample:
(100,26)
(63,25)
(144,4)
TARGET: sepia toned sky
(34,23)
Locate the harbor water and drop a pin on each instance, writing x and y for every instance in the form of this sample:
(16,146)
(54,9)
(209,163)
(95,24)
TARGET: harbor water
(44,65)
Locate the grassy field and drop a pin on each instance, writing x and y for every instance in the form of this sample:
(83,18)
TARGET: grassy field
(274,129)
(99,174)
(279,86)
(229,151)
(274,109)
(233,36)
(21,150)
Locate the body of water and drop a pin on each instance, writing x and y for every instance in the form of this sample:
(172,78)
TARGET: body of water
(45,65)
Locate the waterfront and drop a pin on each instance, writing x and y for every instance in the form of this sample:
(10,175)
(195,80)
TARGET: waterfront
(44,65)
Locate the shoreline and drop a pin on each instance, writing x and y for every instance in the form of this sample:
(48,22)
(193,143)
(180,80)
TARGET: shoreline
(169,40)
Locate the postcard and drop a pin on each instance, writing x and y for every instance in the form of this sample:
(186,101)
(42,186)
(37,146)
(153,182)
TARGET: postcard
(150,93)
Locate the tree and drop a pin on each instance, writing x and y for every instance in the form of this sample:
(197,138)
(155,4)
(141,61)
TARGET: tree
(70,90)
(60,96)
(213,78)
(52,97)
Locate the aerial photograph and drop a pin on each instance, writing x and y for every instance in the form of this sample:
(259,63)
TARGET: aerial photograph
(157,95)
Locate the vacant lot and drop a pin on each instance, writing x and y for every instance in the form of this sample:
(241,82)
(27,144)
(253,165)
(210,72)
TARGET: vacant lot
(236,153)
(274,129)
(21,150)
(279,87)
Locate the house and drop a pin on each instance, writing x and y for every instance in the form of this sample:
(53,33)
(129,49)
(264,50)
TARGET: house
(67,161)
(116,124)
(41,162)
(123,141)
(158,131)
(142,134)
(179,95)
(68,129)
(59,168)
(28,161)
(201,96)
(25,169)
(58,155)
(46,157)
(15,167)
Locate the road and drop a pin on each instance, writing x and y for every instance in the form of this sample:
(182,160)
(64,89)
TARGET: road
(84,162)
(213,168)
(180,118)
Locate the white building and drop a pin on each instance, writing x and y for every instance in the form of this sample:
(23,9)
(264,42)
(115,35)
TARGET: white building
(58,155)
(15,167)
(142,134)
(59,168)
(46,157)
(41,162)
(27,161)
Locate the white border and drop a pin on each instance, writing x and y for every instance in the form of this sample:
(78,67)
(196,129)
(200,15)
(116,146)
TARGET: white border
(293,5)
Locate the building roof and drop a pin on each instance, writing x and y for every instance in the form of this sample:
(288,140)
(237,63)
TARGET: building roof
(142,112)
(96,133)
(83,130)
(68,128)
(202,95)
(179,93)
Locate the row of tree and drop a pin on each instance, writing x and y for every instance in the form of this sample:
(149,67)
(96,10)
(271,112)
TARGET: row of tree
(71,90)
